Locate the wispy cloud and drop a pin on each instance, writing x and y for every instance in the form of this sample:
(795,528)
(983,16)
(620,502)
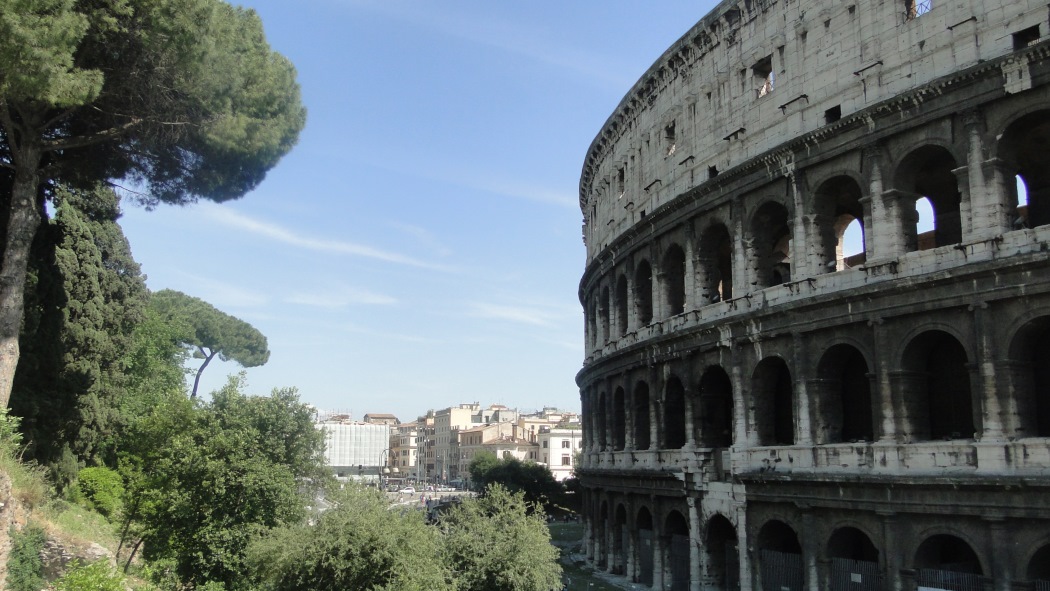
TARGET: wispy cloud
(339,298)
(531,43)
(230,218)
(383,334)
(512,313)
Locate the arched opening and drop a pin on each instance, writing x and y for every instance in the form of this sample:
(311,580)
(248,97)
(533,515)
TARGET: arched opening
(678,556)
(715,423)
(1039,567)
(643,292)
(1025,147)
(620,534)
(716,264)
(603,411)
(854,561)
(947,562)
(640,416)
(603,312)
(621,305)
(674,279)
(937,395)
(773,405)
(844,394)
(927,172)
(771,235)
(1030,370)
(644,547)
(838,206)
(619,414)
(674,414)
(722,568)
(780,556)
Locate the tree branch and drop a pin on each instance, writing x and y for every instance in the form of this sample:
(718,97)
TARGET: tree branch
(91,139)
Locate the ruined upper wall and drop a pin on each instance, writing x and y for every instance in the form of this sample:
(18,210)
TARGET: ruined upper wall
(754,74)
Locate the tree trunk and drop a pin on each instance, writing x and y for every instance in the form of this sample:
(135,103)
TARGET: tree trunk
(196,381)
(23,221)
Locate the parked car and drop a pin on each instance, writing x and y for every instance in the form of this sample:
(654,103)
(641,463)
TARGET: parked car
(408,489)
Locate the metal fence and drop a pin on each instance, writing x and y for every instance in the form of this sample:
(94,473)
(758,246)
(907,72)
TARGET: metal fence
(679,563)
(1041,585)
(855,575)
(781,571)
(732,574)
(948,580)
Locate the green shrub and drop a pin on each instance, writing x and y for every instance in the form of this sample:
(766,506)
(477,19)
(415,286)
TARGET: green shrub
(97,576)
(25,568)
(102,489)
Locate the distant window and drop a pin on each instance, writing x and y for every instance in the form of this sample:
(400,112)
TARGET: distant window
(544,445)
(621,180)
(566,460)
(1023,38)
(669,138)
(566,444)
(917,8)
(762,74)
(833,114)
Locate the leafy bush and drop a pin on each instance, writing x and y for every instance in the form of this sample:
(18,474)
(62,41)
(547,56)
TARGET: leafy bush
(97,576)
(25,568)
(103,490)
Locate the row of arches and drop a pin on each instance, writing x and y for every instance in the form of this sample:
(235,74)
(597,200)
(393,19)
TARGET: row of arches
(656,553)
(679,272)
(940,398)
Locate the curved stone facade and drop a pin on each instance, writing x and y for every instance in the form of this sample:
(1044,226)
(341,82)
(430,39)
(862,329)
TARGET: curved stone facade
(765,409)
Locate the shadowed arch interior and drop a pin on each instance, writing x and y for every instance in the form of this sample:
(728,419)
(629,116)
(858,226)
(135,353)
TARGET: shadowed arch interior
(674,279)
(674,414)
(773,402)
(938,401)
(1025,147)
(844,394)
(715,409)
(927,172)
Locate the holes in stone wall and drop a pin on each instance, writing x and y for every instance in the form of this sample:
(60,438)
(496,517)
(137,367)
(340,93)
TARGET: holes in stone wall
(773,403)
(674,414)
(771,235)
(640,417)
(833,114)
(927,172)
(674,279)
(763,77)
(1026,37)
(643,292)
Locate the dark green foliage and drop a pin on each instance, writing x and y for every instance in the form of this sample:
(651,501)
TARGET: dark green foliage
(85,296)
(103,490)
(210,478)
(358,544)
(211,332)
(536,482)
(496,542)
(25,568)
(182,97)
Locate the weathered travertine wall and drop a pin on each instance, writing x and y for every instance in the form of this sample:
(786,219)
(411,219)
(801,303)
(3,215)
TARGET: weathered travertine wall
(764,409)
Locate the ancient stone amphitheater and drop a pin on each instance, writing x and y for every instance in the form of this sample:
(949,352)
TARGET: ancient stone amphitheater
(817,302)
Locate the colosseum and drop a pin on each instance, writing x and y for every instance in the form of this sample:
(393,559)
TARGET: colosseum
(817,301)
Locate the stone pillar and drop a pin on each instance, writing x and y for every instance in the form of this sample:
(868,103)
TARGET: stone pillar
(825,423)
(1003,547)
(747,577)
(743,254)
(987,390)
(802,245)
(966,203)
(891,551)
(660,308)
(803,403)
(912,397)
(810,542)
(882,387)
(1016,387)
(1001,197)
(868,226)
(695,570)
(656,397)
(693,299)
(900,235)
(632,300)
(661,544)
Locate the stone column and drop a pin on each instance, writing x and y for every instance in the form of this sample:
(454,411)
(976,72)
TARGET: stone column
(802,402)
(882,390)
(987,390)
(656,396)
(801,242)
(1001,197)
(743,253)
(693,299)
(1003,547)
(810,550)
(900,235)
(695,571)
(866,204)
(891,551)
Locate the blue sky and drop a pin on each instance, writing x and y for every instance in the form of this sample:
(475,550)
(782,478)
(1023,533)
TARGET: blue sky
(421,245)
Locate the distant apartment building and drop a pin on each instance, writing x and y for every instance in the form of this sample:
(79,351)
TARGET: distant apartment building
(355,450)
(558,449)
